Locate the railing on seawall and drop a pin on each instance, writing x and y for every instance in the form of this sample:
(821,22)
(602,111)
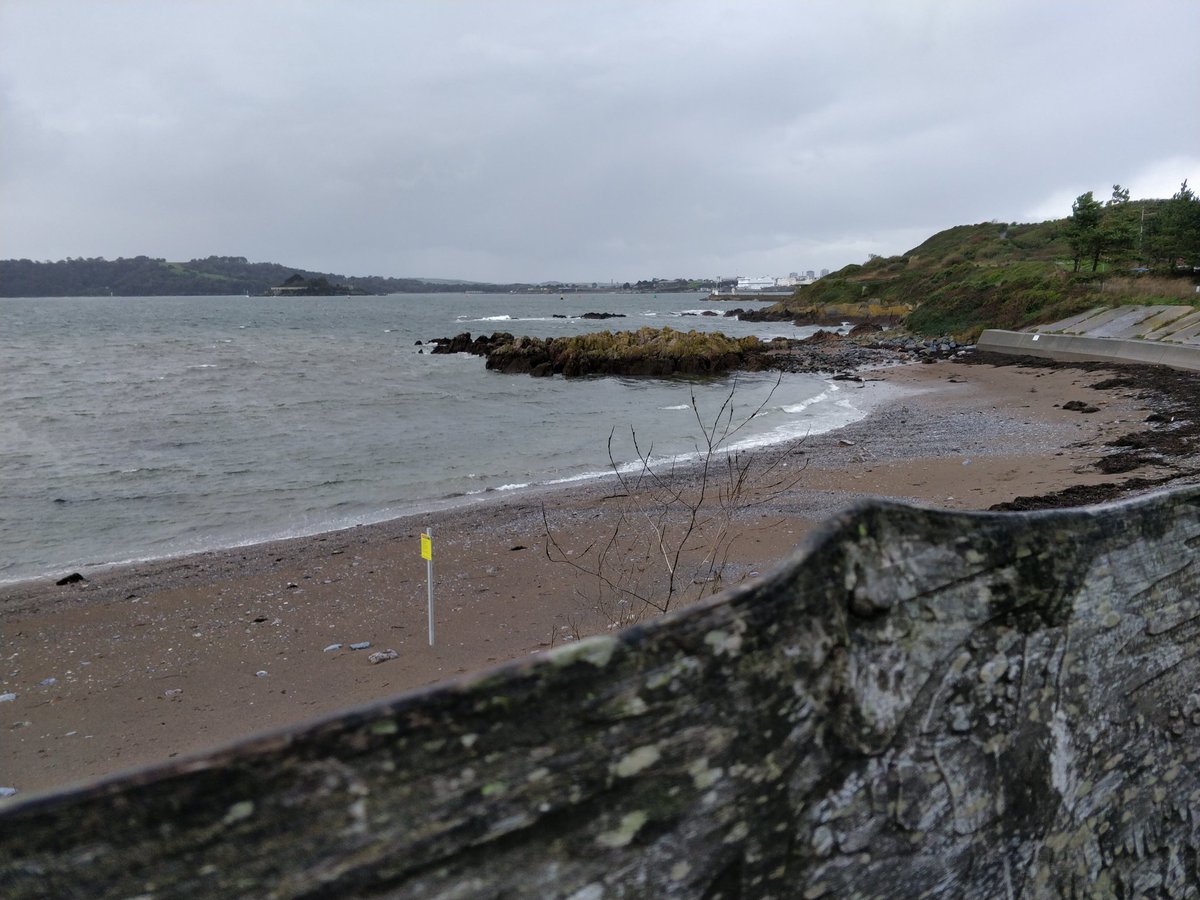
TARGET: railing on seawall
(972,704)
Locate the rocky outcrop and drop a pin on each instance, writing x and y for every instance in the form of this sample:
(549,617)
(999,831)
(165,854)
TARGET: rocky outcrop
(821,336)
(464,343)
(648,351)
(921,703)
(773,313)
(665,352)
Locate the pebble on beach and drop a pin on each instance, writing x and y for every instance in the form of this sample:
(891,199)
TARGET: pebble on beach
(382,656)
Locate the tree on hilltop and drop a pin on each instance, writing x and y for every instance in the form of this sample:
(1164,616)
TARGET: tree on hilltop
(1173,234)
(1096,229)
(1118,227)
(1083,228)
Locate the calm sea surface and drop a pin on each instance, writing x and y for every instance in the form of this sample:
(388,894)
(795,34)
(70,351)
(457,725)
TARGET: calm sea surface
(136,428)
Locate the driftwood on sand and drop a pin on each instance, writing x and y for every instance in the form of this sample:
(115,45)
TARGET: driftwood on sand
(973,704)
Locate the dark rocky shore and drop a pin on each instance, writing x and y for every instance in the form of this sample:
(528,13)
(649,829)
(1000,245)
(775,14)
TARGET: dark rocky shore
(1166,449)
(666,352)
(1169,444)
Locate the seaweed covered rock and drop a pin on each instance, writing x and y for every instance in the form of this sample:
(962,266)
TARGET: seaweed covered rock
(647,351)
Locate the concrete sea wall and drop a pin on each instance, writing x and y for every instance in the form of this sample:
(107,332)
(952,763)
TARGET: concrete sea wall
(1158,335)
(1069,347)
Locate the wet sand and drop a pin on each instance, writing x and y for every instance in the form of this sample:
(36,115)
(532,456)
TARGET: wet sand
(144,663)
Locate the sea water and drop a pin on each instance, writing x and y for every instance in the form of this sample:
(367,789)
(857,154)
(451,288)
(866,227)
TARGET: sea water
(139,428)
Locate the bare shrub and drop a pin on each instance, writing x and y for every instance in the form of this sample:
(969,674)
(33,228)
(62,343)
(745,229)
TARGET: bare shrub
(678,519)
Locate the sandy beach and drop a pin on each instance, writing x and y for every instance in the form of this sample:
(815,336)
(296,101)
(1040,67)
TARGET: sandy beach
(141,664)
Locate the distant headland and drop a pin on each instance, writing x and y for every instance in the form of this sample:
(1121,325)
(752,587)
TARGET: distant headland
(143,276)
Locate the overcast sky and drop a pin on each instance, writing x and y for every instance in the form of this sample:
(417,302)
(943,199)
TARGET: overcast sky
(531,141)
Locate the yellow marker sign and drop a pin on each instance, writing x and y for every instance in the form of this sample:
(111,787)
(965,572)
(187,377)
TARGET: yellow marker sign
(426,547)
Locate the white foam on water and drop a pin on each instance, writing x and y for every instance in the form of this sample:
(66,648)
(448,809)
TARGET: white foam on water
(575,479)
(796,409)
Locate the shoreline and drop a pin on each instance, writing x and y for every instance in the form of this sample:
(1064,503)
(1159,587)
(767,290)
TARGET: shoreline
(153,661)
(415,509)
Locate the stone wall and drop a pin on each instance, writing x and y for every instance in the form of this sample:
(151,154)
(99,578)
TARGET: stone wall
(975,705)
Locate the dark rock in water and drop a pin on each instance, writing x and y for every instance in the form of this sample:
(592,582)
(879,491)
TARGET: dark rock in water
(600,315)
(705,354)
(650,352)
(463,343)
(768,314)
(73,578)
(460,343)
(710,312)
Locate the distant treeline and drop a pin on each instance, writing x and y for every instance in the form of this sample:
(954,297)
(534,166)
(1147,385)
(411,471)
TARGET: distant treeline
(143,276)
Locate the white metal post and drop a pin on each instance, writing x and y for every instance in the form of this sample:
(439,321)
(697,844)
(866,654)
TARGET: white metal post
(429,576)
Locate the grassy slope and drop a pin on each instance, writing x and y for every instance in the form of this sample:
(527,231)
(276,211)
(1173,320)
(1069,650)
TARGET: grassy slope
(991,275)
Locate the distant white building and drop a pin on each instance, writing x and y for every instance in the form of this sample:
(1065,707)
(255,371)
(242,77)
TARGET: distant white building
(749,284)
(755,283)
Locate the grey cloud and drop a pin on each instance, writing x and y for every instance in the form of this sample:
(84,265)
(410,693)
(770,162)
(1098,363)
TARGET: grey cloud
(576,141)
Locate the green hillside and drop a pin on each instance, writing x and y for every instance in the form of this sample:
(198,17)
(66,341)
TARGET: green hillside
(1000,275)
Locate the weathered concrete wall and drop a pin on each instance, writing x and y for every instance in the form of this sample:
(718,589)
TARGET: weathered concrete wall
(975,705)
(1070,347)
